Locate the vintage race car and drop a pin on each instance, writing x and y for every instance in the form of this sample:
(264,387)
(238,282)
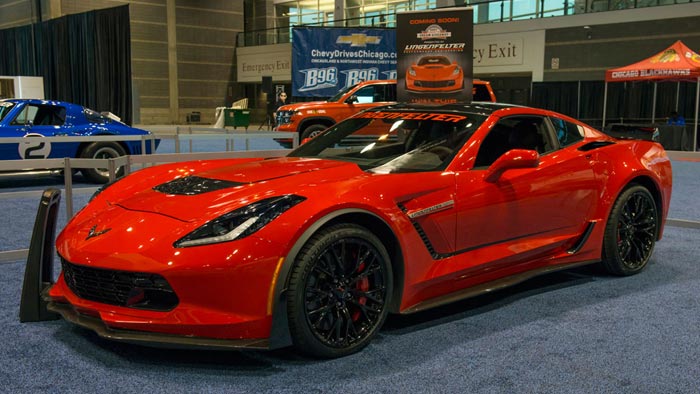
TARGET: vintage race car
(395,210)
(434,73)
(43,118)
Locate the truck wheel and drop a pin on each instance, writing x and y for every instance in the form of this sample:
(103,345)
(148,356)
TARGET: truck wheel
(101,150)
(312,131)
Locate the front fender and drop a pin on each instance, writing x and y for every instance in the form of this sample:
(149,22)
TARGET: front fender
(280,336)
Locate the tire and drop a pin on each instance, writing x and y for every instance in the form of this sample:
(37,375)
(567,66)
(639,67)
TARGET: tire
(312,131)
(339,291)
(631,232)
(101,150)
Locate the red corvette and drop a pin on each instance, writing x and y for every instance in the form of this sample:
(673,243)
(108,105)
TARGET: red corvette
(395,210)
(434,74)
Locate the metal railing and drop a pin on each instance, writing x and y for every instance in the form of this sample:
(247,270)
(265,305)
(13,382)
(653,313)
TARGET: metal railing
(131,162)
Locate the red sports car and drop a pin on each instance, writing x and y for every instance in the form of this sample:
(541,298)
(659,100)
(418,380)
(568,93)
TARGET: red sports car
(395,210)
(434,74)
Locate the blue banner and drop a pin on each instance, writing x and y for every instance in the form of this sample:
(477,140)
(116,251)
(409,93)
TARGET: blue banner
(325,60)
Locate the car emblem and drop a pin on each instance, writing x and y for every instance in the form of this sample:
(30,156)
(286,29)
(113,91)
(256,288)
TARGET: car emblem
(92,233)
(358,40)
(435,208)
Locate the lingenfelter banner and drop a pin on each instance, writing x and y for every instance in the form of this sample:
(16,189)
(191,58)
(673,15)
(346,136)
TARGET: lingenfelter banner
(435,55)
(325,60)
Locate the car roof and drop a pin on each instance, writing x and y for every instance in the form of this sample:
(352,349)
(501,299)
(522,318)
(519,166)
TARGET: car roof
(40,102)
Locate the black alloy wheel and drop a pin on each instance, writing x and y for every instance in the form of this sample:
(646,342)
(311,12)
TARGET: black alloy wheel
(339,291)
(631,232)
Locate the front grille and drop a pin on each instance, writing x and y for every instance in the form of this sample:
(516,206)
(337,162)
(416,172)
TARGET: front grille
(435,84)
(122,288)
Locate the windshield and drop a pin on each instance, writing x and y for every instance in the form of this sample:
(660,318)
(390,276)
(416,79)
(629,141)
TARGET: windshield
(393,141)
(5,109)
(432,60)
(340,93)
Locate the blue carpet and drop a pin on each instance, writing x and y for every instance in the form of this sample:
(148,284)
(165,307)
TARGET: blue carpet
(685,203)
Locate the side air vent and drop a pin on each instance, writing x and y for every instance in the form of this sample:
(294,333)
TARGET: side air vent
(423,236)
(594,145)
(192,185)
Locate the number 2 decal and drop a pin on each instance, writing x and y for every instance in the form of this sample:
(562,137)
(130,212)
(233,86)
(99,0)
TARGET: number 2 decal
(34,148)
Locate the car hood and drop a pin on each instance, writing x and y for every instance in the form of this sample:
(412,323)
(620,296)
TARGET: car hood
(303,106)
(210,193)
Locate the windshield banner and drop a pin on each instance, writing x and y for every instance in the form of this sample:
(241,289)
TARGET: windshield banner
(435,55)
(325,60)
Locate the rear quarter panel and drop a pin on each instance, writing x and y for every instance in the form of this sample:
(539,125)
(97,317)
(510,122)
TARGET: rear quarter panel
(633,161)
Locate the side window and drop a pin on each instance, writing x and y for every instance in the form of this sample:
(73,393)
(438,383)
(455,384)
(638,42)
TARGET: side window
(384,93)
(28,113)
(365,95)
(390,90)
(517,132)
(567,133)
(47,115)
(480,93)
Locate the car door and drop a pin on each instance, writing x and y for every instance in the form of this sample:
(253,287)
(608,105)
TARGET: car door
(39,120)
(525,213)
(16,124)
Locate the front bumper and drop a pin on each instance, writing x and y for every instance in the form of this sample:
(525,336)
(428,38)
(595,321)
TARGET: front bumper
(151,338)
(442,85)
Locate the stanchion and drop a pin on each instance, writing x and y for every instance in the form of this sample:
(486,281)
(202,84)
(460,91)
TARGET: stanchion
(38,274)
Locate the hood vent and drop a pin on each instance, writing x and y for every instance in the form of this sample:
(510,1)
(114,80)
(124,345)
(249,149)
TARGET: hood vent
(193,185)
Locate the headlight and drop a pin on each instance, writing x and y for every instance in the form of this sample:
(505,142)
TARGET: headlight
(241,222)
(455,71)
(412,72)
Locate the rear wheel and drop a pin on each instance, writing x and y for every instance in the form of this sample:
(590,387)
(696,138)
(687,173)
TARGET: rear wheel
(631,232)
(102,150)
(339,291)
(312,131)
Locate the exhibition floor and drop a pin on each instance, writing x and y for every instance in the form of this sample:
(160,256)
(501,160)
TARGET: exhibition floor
(577,331)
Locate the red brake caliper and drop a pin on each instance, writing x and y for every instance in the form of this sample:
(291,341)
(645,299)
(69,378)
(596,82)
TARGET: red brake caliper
(362,285)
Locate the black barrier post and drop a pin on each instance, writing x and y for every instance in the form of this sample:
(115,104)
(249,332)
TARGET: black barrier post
(38,274)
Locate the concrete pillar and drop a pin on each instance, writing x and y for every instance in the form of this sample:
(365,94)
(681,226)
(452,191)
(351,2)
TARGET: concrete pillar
(174,94)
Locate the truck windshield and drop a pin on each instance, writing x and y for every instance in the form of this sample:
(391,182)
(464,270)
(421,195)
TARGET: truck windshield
(393,142)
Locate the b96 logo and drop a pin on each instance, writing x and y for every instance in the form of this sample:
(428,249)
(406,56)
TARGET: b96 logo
(319,78)
(358,75)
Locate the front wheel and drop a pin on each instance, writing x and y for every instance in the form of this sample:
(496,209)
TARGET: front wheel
(339,291)
(631,231)
(312,131)
(101,150)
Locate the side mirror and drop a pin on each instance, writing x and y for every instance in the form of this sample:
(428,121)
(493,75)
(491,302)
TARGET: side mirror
(513,159)
(352,99)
